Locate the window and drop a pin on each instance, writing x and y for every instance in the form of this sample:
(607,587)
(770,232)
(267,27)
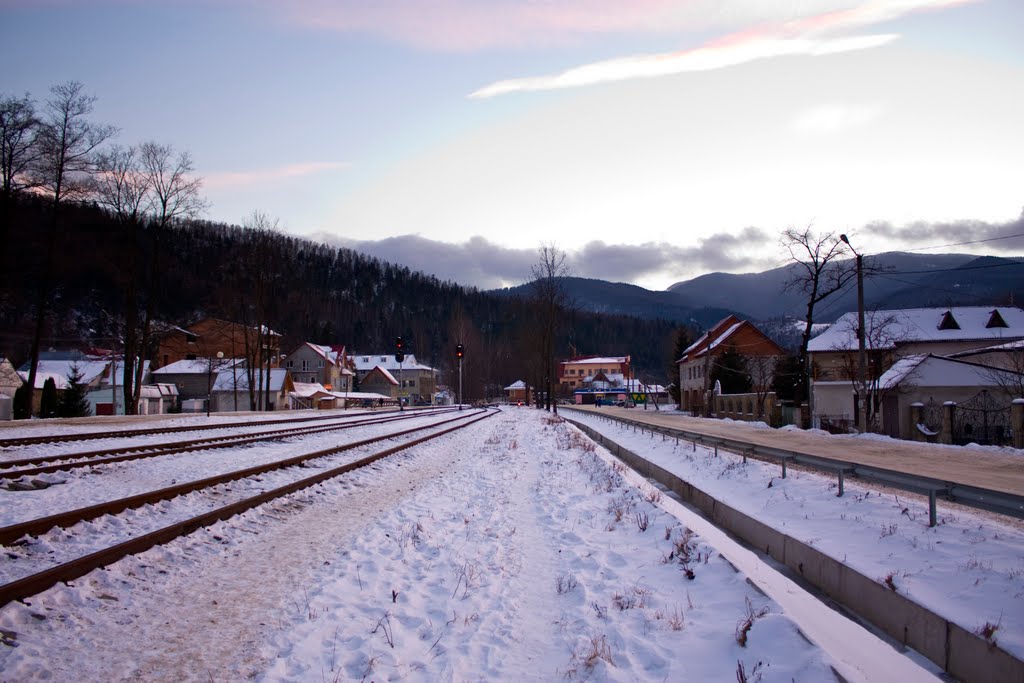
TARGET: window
(320,363)
(948,322)
(305,365)
(289,364)
(995,320)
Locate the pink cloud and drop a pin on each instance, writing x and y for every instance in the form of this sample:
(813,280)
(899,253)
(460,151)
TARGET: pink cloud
(815,35)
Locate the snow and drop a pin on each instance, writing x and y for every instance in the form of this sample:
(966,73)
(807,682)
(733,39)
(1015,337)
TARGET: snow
(512,550)
(968,569)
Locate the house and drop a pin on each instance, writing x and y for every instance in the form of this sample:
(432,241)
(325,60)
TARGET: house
(10,380)
(230,390)
(194,378)
(59,366)
(107,397)
(890,336)
(380,381)
(210,336)
(916,391)
(418,381)
(516,392)
(308,395)
(697,361)
(580,370)
(328,366)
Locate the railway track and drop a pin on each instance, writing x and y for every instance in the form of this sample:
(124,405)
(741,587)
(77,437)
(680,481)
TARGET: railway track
(34,466)
(29,585)
(129,433)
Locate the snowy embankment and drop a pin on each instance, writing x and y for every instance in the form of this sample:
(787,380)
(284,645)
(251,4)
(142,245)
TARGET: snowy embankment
(512,550)
(968,569)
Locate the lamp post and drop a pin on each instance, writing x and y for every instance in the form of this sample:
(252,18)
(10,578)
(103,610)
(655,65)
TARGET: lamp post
(862,379)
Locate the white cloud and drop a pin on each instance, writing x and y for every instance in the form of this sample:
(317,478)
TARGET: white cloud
(707,58)
(829,119)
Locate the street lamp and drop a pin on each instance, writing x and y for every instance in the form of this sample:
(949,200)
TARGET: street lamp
(862,378)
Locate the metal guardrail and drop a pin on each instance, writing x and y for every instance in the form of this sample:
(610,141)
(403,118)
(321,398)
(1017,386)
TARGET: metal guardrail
(1000,502)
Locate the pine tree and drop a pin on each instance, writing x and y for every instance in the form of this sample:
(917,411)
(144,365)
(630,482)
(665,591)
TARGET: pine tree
(73,402)
(22,409)
(48,399)
(731,370)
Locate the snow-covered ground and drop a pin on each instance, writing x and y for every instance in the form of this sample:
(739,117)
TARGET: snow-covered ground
(969,568)
(513,550)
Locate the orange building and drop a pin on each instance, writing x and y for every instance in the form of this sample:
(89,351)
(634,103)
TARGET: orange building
(209,337)
(698,360)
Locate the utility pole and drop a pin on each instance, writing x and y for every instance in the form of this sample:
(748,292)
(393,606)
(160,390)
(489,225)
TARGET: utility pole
(862,376)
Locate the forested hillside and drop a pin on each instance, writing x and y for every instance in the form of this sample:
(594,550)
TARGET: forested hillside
(303,290)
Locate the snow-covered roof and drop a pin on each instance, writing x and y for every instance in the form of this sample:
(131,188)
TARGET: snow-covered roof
(198,366)
(887,329)
(89,369)
(716,335)
(360,395)
(517,385)
(158,390)
(900,370)
(307,389)
(637,387)
(387,375)
(367,362)
(228,381)
(939,371)
(607,360)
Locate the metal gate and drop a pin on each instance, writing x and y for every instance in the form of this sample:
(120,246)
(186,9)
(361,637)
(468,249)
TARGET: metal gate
(982,420)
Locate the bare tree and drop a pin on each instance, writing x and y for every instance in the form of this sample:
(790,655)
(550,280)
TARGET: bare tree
(882,335)
(18,151)
(67,144)
(175,194)
(260,277)
(123,187)
(762,377)
(551,300)
(821,268)
(1007,372)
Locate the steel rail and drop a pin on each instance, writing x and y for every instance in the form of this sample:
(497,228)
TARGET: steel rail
(13,532)
(170,448)
(36,583)
(1000,502)
(129,433)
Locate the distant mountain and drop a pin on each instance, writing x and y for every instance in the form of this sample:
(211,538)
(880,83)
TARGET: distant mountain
(599,296)
(904,280)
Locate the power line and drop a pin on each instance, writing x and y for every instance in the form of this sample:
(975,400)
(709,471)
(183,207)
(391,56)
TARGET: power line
(961,244)
(950,270)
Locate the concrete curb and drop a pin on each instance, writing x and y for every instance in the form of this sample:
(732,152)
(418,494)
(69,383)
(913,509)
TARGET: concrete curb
(962,654)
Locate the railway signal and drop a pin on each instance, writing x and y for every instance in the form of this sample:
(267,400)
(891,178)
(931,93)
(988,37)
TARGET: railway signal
(460,351)
(399,357)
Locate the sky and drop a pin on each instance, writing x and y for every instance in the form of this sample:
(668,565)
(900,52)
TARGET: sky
(651,141)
